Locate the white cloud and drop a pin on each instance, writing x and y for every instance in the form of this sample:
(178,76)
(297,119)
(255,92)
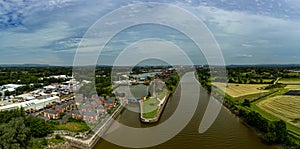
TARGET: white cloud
(55,27)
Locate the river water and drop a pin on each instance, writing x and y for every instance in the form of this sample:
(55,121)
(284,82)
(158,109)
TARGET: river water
(227,132)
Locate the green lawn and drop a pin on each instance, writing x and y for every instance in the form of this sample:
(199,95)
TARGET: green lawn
(150,107)
(39,143)
(162,94)
(263,113)
(73,126)
(250,97)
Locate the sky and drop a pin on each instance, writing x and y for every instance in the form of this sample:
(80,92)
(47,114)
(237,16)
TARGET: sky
(247,31)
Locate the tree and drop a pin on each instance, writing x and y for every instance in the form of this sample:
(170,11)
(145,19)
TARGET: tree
(271,137)
(7,93)
(14,134)
(246,103)
(38,127)
(281,131)
(58,137)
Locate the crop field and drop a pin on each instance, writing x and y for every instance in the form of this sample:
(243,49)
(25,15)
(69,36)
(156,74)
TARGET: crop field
(293,87)
(283,106)
(290,81)
(240,90)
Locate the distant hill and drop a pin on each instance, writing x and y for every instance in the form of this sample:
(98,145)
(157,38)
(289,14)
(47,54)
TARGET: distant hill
(25,65)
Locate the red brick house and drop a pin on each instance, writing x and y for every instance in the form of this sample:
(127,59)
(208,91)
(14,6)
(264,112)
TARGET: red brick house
(70,105)
(95,97)
(51,114)
(109,102)
(85,108)
(78,99)
(100,109)
(93,104)
(101,99)
(76,114)
(60,108)
(90,117)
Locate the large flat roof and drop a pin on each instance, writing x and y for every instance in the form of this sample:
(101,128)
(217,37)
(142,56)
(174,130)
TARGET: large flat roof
(28,103)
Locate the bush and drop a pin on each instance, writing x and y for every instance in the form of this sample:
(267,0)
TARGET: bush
(246,103)
(58,137)
(44,142)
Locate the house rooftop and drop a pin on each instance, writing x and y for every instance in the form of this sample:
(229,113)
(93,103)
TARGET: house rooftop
(77,112)
(51,111)
(110,100)
(90,114)
(85,106)
(100,107)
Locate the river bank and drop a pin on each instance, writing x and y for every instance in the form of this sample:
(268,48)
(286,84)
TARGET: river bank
(245,116)
(92,139)
(226,132)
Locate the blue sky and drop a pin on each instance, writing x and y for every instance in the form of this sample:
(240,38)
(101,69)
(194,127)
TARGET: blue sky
(248,31)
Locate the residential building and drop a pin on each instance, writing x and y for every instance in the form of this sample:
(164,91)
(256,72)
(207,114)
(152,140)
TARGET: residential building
(100,109)
(51,114)
(90,117)
(109,102)
(76,114)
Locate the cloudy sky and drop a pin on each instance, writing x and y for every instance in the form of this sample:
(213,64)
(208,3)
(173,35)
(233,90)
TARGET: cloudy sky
(247,31)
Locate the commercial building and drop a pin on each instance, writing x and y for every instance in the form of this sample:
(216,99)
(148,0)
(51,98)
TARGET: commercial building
(35,104)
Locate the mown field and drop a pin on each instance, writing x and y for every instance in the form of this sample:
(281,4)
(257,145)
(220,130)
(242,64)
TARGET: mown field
(290,81)
(283,106)
(243,90)
(293,87)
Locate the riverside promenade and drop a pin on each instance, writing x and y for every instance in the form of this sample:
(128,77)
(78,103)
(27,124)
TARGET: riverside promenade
(98,131)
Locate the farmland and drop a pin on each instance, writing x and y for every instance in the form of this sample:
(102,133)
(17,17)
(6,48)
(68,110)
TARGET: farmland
(290,81)
(283,106)
(293,87)
(241,90)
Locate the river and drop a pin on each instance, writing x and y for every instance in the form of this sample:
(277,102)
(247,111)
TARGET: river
(227,132)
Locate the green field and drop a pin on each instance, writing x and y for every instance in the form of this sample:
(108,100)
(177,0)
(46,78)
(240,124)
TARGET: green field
(162,94)
(293,87)
(73,126)
(150,107)
(290,81)
(283,106)
(250,97)
(243,90)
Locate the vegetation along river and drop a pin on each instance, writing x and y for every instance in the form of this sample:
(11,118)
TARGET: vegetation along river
(227,132)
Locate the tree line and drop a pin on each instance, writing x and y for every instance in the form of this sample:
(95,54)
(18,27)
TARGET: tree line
(18,131)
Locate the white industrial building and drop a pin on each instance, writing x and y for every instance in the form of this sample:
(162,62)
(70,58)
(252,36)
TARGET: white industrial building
(36,104)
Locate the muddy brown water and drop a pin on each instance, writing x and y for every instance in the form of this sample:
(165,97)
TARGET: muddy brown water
(227,132)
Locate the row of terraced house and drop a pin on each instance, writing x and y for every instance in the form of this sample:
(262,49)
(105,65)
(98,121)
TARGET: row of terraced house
(55,112)
(90,110)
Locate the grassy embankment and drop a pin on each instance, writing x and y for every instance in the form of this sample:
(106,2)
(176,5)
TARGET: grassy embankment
(273,105)
(150,107)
